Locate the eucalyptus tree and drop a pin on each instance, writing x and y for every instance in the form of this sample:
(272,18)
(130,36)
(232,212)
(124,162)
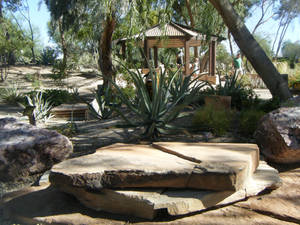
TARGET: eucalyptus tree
(291,51)
(8,46)
(202,16)
(252,50)
(97,21)
(24,11)
(8,5)
(287,11)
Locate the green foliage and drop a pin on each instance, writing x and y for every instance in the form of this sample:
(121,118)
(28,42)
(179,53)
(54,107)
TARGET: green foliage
(48,56)
(269,105)
(241,96)
(59,70)
(16,40)
(29,77)
(57,96)
(265,43)
(69,129)
(291,51)
(11,94)
(211,119)
(128,91)
(248,121)
(156,109)
(42,107)
(223,58)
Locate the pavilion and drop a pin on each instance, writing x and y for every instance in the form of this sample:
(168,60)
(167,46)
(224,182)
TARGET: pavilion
(173,35)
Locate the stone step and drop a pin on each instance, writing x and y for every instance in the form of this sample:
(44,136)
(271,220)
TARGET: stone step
(147,203)
(142,166)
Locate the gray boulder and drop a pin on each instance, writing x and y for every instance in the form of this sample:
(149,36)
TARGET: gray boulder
(278,135)
(27,151)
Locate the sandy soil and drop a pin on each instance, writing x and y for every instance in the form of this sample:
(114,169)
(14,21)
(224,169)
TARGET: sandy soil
(86,80)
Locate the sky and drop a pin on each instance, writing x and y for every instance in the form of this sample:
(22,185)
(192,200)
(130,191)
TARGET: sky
(40,17)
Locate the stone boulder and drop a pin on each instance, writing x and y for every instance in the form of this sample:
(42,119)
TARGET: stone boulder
(27,151)
(278,135)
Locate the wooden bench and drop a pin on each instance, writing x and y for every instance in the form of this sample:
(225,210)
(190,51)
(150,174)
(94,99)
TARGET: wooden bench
(77,111)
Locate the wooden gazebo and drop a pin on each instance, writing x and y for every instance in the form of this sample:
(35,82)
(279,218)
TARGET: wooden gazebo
(174,35)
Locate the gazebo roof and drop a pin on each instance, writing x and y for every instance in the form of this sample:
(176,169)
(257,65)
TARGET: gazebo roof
(171,30)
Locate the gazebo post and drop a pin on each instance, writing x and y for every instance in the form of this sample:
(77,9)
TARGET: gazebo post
(155,56)
(196,51)
(146,51)
(187,57)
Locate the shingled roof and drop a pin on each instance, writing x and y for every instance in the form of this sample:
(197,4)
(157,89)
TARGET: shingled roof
(171,30)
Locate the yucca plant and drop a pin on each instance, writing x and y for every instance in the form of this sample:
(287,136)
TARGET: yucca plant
(42,107)
(156,112)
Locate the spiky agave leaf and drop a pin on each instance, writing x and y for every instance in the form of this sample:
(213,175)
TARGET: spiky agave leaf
(155,112)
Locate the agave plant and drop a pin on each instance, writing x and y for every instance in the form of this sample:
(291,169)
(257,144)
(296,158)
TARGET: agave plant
(42,107)
(155,110)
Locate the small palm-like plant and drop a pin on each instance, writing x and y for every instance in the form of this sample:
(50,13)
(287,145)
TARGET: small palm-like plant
(156,109)
(42,107)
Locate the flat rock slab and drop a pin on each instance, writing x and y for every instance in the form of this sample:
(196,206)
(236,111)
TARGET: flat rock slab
(146,203)
(136,166)
(48,205)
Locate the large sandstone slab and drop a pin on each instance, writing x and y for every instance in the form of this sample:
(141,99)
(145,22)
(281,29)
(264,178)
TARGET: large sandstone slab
(135,166)
(27,151)
(50,206)
(146,203)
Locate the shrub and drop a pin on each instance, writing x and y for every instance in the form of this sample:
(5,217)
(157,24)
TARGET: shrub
(69,129)
(248,121)
(59,70)
(48,56)
(269,105)
(215,120)
(128,91)
(57,97)
(242,97)
(11,94)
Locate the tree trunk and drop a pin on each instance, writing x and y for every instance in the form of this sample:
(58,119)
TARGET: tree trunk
(252,50)
(104,50)
(1,10)
(63,46)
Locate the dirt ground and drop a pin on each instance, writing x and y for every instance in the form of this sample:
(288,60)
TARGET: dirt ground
(86,80)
